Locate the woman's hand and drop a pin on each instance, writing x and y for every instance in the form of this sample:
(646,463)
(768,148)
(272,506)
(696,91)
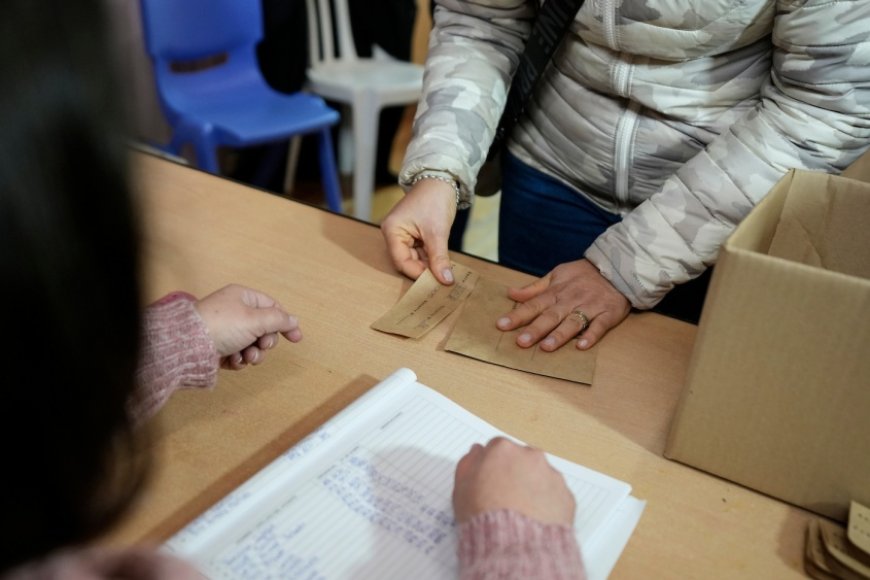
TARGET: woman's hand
(574,298)
(417,228)
(504,475)
(244,323)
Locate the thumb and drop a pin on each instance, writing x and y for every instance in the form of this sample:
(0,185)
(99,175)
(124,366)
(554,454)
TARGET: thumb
(256,299)
(439,260)
(263,321)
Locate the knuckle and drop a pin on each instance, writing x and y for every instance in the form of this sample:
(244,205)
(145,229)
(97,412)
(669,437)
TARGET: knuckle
(562,337)
(521,314)
(550,318)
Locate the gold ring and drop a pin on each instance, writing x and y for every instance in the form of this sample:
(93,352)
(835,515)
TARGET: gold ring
(580,317)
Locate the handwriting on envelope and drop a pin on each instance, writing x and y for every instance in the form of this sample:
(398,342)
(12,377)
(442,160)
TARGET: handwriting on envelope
(475,335)
(427,303)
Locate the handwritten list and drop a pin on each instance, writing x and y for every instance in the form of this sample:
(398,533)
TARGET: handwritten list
(370,497)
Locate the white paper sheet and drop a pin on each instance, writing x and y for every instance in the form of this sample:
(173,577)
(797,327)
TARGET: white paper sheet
(368,495)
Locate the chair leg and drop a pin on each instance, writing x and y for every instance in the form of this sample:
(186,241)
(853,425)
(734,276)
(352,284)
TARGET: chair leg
(366,112)
(345,141)
(329,171)
(271,159)
(292,164)
(176,145)
(206,152)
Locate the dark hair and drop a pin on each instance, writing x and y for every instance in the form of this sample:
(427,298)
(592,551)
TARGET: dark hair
(70,295)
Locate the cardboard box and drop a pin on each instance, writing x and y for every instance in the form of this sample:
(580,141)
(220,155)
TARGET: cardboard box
(778,388)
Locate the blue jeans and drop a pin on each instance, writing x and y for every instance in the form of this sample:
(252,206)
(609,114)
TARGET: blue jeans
(543,222)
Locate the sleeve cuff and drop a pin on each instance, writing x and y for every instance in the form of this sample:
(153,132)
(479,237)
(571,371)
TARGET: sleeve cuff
(176,352)
(506,544)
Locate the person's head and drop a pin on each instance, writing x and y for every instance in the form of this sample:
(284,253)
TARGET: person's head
(69,277)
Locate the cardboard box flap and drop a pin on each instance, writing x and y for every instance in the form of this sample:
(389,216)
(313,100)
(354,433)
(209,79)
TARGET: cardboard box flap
(755,232)
(813,219)
(860,169)
(819,222)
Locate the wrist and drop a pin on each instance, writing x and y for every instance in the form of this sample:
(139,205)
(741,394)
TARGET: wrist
(446,178)
(173,297)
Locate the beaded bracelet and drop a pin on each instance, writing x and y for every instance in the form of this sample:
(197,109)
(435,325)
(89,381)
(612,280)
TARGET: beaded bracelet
(446,179)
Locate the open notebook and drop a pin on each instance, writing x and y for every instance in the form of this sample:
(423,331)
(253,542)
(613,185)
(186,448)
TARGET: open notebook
(368,495)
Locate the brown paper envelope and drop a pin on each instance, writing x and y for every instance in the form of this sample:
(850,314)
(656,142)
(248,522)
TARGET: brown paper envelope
(859,523)
(475,335)
(814,554)
(842,551)
(426,303)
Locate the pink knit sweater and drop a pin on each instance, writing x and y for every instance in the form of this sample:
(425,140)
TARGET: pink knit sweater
(508,545)
(178,353)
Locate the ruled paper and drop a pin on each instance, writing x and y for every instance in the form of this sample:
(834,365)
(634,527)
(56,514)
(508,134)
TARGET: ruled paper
(367,495)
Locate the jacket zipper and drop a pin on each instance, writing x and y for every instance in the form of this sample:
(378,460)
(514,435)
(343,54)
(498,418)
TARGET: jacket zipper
(621,80)
(608,14)
(622,155)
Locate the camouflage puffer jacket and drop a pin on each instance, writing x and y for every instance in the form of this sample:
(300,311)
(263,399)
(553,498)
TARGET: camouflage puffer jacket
(678,115)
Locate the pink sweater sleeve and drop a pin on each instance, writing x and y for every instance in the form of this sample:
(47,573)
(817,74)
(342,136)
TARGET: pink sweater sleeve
(176,352)
(507,545)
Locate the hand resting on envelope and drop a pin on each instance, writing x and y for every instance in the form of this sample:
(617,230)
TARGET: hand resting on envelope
(548,303)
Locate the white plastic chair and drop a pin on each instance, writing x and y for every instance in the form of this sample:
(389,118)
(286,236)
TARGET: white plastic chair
(363,85)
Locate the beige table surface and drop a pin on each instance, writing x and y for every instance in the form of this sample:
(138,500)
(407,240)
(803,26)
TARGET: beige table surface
(333,272)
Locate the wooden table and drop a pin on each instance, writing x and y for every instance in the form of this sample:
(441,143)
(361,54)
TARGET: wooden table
(333,272)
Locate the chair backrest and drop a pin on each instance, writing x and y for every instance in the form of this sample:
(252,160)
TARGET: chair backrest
(322,45)
(178,30)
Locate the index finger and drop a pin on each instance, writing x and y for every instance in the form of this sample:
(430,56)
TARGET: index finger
(406,258)
(272,320)
(464,464)
(276,320)
(528,308)
(257,299)
(525,312)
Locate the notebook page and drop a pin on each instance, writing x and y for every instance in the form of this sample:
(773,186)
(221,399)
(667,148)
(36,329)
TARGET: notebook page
(260,488)
(368,495)
(602,552)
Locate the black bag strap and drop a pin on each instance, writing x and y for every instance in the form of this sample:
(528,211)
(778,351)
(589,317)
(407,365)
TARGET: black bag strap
(550,26)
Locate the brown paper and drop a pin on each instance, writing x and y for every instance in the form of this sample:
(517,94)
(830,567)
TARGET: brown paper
(427,303)
(815,562)
(840,554)
(859,527)
(475,335)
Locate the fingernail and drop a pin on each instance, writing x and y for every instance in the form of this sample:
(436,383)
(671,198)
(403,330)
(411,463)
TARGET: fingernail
(293,320)
(448,274)
(525,338)
(503,322)
(549,342)
(583,343)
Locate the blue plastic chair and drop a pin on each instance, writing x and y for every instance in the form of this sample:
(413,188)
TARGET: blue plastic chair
(228,103)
